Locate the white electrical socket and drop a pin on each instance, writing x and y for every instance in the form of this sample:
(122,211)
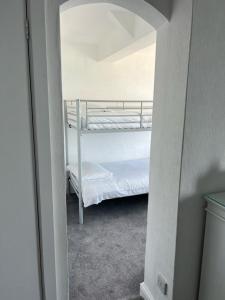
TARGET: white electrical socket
(162,284)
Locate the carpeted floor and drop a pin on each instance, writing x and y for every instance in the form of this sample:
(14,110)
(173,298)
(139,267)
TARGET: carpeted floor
(106,254)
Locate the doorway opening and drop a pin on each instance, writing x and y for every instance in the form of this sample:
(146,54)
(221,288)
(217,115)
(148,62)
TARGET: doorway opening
(108,62)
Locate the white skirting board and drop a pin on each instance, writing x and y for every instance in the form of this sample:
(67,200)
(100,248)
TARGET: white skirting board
(145,292)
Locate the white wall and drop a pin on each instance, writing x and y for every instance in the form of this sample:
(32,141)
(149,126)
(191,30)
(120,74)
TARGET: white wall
(203,166)
(19,251)
(194,163)
(129,78)
(172,57)
(157,13)
(114,146)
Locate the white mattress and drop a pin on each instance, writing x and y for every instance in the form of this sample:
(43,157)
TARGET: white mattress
(128,178)
(127,120)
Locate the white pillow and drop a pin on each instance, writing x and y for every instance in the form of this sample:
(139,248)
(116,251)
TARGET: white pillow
(90,171)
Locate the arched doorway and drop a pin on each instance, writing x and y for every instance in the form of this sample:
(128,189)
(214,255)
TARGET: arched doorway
(142,13)
(150,12)
(53,234)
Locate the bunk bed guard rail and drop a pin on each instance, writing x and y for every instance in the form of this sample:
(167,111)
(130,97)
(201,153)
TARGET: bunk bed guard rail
(109,115)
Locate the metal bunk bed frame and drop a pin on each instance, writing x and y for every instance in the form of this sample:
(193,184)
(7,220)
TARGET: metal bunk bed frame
(85,128)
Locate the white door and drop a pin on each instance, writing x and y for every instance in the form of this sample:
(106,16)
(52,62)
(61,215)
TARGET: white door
(19,256)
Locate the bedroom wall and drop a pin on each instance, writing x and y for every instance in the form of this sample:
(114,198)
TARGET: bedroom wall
(128,78)
(172,57)
(157,13)
(114,146)
(203,167)
(19,247)
(197,167)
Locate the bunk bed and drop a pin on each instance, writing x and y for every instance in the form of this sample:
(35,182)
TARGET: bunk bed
(95,182)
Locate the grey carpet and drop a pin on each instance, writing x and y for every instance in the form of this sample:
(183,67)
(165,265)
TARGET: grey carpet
(106,254)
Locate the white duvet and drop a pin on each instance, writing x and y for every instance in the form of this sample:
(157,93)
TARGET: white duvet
(90,171)
(128,178)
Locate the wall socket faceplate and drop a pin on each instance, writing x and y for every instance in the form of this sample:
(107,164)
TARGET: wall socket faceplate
(162,284)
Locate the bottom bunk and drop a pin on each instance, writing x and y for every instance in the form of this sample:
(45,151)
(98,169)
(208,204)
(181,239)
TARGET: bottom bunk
(111,180)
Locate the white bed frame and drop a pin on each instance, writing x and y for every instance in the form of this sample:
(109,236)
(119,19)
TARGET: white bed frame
(136,108)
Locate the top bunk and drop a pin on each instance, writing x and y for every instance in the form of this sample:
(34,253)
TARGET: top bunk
(96,116)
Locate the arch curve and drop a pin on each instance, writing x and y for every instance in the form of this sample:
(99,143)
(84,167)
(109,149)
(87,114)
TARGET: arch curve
(154,12)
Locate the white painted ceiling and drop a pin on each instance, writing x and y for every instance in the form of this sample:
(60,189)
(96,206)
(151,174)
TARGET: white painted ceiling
(105,31)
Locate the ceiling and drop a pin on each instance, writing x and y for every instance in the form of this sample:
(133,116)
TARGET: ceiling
(104,31)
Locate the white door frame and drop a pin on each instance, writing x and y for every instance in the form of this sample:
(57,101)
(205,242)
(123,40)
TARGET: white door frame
(39,85)
(36,11)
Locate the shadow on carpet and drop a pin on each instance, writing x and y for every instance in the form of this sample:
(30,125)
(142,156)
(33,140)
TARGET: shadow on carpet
(106,254)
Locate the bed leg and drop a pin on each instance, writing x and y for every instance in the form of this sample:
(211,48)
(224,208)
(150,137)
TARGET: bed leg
(81,211)
(68,186)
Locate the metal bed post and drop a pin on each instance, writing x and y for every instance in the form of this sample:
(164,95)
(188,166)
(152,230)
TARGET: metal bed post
(81,210)
(86,109)
(66,156)
(141,116)
(65,133)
